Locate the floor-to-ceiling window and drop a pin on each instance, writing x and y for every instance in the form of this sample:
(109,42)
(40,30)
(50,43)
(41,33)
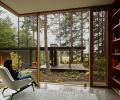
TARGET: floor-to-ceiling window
(64,29)
(99,70)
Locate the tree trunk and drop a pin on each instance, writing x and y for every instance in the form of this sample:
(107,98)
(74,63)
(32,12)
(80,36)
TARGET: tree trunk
(71,41)
(33,38)
(81,37)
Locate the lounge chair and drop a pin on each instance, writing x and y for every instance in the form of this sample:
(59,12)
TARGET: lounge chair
(17,85)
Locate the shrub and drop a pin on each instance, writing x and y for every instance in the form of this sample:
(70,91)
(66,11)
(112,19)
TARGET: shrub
(15,61)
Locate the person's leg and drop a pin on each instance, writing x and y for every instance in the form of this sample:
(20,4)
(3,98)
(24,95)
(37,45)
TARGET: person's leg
(21,76)
(25,77)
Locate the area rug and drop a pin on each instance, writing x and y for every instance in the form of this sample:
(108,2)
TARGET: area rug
(45,94)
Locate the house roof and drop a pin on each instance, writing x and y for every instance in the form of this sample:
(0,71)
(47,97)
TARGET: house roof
(34,6)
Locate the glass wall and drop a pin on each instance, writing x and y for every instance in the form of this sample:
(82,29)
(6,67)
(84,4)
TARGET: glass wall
(70,29)
(100,60)
(67,42)
(67,39)
(8,38)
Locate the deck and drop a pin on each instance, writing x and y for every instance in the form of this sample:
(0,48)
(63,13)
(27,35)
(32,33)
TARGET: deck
(65,67)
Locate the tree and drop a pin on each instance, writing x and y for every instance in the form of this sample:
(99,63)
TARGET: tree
(99,32)
(25,39)
(15,61)
(99,44)
(70,29)
(7,33)
(30,26)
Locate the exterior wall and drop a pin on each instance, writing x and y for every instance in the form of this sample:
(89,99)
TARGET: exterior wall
(25,58)
(3,56)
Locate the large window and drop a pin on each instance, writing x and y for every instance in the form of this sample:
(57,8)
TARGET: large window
(99,43)
(64,43)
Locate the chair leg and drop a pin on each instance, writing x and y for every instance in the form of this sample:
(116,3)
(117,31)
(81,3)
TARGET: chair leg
(14,94)
(21,89)
(11,97)
(33,86)
(4,90)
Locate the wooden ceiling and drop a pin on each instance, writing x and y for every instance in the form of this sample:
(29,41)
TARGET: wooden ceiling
(34,6)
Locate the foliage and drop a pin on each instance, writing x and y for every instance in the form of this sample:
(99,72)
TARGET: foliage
(7,33)
(63,76)
(98,31)
(15,60)
(86,63)
(70,29)
(29,27)
(42,57)
(100,65)
(25,39)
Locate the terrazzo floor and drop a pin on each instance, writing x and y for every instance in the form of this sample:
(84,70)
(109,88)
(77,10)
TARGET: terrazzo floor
(100,93)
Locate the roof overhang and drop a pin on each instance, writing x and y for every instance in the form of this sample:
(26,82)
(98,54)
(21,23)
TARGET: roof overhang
(22,7)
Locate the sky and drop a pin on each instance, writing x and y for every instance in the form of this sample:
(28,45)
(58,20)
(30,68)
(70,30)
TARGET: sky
(6,13)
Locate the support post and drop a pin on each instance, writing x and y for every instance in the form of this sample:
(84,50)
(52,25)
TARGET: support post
(18,41)
(91,49)
(38,49)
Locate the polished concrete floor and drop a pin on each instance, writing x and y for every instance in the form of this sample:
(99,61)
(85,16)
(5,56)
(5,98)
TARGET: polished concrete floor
(102,93)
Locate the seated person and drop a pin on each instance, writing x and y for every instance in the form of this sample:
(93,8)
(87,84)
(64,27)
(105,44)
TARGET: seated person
(16,75)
